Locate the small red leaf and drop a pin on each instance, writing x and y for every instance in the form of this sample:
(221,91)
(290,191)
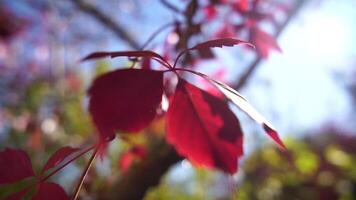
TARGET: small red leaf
(58,157)
(202,128)
(114,54)
(15,165)
(219,43)
(264,42)
(125,100)
(51,191)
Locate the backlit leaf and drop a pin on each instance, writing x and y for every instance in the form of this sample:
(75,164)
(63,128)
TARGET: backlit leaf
(15,165)
(242,103)
(125,100)
(202,128)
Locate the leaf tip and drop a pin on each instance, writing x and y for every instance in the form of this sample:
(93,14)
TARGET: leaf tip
(274,135)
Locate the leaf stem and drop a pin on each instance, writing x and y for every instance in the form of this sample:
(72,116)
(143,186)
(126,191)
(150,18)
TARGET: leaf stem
(85,172)
(66,163)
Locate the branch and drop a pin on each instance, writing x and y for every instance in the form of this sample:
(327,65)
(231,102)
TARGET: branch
(134,183)
(253,66)
(106,21)
(170,6)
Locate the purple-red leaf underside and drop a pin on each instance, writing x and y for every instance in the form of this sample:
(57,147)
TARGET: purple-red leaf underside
(125,100)
(220,43)
(60,155)
(203,129)
(15,165)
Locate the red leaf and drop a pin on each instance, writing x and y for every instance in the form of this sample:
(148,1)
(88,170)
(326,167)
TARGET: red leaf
(126,160)
(264,42)
(219,43)
(125,100)
(15,165)
(51,191)
(58,157)
(202,128)
(114,54)
(242,103)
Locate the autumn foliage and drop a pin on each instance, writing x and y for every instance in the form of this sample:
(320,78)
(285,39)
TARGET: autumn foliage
(199,123)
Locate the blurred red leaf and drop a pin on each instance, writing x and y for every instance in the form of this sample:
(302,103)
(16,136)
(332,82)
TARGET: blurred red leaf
(241,6)
(125,100)
(15,165)
(264,42)
(51,191)
(58,157)
(202,128)
(210,12)
(126,160)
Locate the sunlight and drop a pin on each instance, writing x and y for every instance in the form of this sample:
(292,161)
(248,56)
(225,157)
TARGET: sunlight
(326,35)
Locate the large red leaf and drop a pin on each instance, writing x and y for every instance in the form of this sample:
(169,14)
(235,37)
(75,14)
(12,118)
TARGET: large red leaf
(15,165)
(50,191)
(125,100)
(58,157)
(202,128)
(264,42)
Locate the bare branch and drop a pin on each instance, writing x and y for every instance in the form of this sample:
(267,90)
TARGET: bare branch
(253,66)
(106,21)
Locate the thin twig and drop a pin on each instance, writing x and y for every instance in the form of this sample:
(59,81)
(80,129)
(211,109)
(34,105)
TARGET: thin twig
(171,6)
(106,21)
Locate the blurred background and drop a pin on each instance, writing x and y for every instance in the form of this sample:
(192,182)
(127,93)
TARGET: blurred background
(308,90)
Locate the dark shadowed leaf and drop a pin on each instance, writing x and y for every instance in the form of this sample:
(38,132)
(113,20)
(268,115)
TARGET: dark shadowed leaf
(15,165)
(58,157)
(125,100)
(219,43)
(264,42)
(50,191)
(202,128)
